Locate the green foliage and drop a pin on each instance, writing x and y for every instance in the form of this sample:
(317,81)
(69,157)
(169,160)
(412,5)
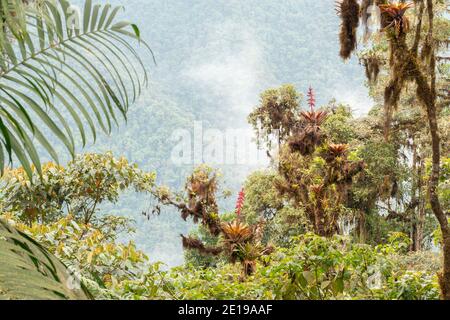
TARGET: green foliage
(78,189)
(262,199)
(43,70)
(338,126)
(398,242)
(422,261)
(381,160)
(276,116)
(94,254)
(309,268)
(312,268)
(410,286)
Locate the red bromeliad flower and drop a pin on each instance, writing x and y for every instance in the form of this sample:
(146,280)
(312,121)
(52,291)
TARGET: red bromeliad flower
(313,117)
(396,13)
(311,99)
(240,202)
(338,150)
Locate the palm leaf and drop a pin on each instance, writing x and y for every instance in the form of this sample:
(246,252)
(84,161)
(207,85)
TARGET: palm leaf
(56,74)
(29,272)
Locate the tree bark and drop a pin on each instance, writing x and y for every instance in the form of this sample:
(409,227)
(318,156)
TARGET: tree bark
(421,206)
(320,222)
(430,102)
(362,228)
(415,246)
(425,80)
(444,277)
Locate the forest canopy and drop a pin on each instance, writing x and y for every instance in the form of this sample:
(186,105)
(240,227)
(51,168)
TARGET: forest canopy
(347,206)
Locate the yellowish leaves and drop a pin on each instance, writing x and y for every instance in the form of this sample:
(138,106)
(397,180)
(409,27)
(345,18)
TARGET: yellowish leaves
(90,257)
(237,231)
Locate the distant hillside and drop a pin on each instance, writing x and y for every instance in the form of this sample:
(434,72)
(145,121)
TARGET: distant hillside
(214,58)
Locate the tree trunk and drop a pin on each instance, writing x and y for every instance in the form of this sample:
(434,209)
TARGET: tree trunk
(421,207)
(320,223)
(362,228)
(444,278)
(414,209)
(426,92)
(429,99)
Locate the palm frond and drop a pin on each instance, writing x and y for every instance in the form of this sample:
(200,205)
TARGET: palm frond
(58,71)
(28,271)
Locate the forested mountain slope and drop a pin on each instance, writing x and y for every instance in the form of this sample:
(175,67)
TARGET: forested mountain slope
(213,60)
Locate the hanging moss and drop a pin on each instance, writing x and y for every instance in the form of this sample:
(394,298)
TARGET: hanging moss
(365,4)
(372,65)
(403,67)
(349,12)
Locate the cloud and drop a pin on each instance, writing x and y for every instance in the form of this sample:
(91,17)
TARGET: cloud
(231,66)
(357,98)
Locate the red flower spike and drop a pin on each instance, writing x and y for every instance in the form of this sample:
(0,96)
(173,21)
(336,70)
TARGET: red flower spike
(311,99)
(240,202)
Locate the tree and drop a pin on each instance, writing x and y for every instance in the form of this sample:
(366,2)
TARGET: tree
(314,174)
(319,184)
(413,58)
(237,241)
(263,201)
(77,189)
(276,116)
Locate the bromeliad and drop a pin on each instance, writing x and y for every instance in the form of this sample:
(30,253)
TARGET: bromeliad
(396,16)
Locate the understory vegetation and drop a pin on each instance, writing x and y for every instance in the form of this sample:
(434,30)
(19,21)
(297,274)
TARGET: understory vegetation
(348,208)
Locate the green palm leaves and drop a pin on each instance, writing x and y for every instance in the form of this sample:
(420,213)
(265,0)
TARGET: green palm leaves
(60,69)
(28,271)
